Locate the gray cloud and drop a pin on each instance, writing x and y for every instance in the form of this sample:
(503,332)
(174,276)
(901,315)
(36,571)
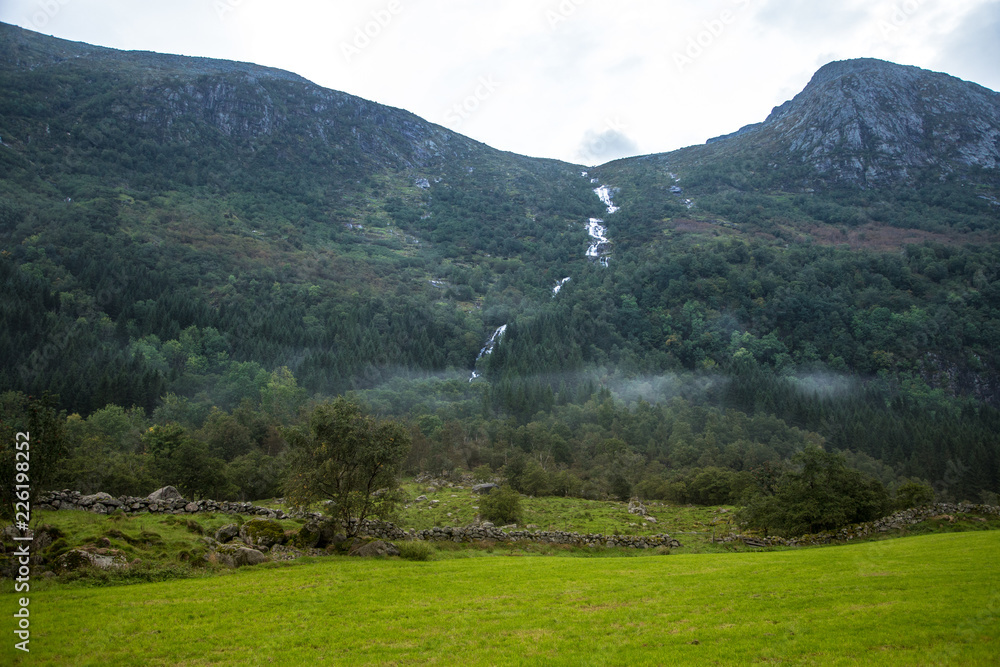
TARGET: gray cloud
(801,18)
(973,51)
(610,144)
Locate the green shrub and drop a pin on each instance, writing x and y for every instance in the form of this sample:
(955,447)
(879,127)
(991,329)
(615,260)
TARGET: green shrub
(501,506)
(913,494)
(482,474)
(416,550)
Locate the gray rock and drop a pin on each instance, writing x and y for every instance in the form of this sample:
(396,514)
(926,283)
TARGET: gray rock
(105,499)
(166,494)
(483,489)
(378,548)
(227,532)
(75,559)
(242,556)
(261,532)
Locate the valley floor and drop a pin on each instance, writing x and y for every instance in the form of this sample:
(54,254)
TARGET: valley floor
(924,600)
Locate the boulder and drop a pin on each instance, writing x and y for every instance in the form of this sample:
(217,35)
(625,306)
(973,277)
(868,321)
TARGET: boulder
(234,556)
(166,494)
(76,559)
(105,499)
(378,548)
(636,507)
(227,533)
(262,532)
(483,489)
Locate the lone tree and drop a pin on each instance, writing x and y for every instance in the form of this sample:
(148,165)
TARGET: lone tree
(348,458)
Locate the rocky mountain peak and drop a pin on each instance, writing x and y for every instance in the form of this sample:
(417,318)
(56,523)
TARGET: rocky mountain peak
(871,122)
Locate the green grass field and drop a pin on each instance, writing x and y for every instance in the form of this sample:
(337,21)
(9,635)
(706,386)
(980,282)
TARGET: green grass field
(925,600)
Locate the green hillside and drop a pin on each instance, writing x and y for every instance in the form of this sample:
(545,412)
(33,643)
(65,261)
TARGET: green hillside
(192,252)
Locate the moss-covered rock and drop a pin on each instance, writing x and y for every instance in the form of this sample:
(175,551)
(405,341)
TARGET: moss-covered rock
(227,533)
(76,559)
(262,532)
(308,537)
(237,555)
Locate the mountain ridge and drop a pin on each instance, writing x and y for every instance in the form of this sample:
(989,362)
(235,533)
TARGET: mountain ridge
(206,243)
(871,122)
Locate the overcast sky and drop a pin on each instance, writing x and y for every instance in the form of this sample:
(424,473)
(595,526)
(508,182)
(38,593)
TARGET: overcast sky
(580,80)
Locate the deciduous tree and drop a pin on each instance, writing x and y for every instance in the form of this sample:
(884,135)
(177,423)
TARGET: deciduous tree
(348,458)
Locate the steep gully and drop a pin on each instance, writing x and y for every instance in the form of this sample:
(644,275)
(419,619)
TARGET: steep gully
(598,250)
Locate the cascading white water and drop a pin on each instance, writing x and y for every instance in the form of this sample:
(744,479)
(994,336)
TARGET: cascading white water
(604,192)
(595,227)
(488,348)
(598,232)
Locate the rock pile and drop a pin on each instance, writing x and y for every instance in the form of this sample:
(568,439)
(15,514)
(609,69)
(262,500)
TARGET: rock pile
(162,501)
(483,532)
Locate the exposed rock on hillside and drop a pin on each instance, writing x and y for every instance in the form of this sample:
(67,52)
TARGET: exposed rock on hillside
(866,123)
(870,122)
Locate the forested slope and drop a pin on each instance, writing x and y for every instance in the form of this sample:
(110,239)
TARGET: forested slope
(209,246)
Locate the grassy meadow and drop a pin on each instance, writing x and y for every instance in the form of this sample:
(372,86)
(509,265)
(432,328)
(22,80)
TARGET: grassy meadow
(925,600)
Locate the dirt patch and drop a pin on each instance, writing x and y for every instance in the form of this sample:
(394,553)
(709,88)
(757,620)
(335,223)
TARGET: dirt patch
(882,237)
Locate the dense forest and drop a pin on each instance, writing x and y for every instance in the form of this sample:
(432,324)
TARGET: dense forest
(185,288)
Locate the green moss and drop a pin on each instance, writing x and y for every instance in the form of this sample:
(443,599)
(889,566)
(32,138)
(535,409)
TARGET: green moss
(258,531)
(57,548)
(306,538)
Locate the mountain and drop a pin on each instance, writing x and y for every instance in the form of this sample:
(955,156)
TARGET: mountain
(868,122)
(216,242)
(868,146)
(208,184)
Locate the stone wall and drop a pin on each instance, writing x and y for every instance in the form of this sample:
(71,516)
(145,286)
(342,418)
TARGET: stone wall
(165,502)
(894,522)
(104,503)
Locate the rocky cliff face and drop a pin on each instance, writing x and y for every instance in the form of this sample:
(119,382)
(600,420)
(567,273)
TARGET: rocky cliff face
(112,96)
(869,122)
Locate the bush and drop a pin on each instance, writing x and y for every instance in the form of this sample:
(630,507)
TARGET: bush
(482,474)
(821,493)
(416,550)
(913,494)
(501,506)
